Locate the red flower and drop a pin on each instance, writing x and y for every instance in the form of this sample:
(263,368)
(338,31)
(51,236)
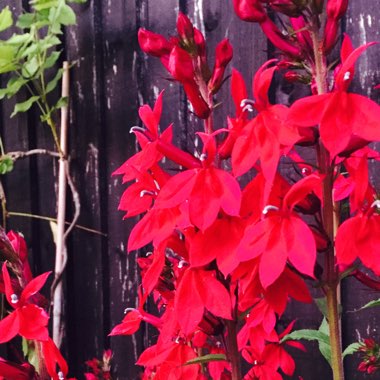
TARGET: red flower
(282,236)
(347,121)
(193,296)
(27,320)
(54,358)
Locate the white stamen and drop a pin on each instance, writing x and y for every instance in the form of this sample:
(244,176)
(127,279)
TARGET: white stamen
(376,204)
(128,309)
(61,376)
(247,105)
(203,157)
(157,184)
(347,76)
(182,264)
(14,298)
(147,192)
(305,171)
(137,128)
(269,208)
(255,362)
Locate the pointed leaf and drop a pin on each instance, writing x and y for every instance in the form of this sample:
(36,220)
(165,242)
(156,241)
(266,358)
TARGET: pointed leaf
(207,358)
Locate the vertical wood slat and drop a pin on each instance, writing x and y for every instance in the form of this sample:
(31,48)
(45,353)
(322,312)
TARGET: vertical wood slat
(87,324)
(362,25)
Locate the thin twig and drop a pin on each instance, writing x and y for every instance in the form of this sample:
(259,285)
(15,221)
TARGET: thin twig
(50,219)
(20,154)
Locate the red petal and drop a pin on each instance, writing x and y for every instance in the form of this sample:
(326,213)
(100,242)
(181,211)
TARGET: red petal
(238,90)
(345,242)
(261,84)
(33,287)
(188,304)
(33,322)
(312,106)
(9,327)
(302,250)
(214,295)
(131,323)
(53,357)
(8,285)
(273,259)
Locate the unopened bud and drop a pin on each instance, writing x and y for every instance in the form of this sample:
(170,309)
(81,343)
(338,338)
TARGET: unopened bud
(185,28)
(250,10)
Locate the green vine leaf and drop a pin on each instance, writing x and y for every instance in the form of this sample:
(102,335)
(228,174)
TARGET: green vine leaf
(6,164)
(370,304)
(351,349)
(6,19)
(207,358)
(24,106)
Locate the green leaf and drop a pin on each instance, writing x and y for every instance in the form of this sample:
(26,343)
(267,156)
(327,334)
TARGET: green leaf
(325,348)
(6,19)
(370,304)
(78,1)
(62,102)
(25,20)
(322,305)
(351,349)
(7,55)
(40,5)
(53,83)
(52,59)
(19,39)
(24,106)
(6,164)
(13,86)
(30,67)
(307,335)
(66,15)
(207,358)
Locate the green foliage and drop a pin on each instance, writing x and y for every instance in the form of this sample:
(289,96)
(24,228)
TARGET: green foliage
(371,304)
(34,49)
(207,358)
(6,164)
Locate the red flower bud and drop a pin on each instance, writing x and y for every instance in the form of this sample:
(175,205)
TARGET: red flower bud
(336,8)
(153,43)
(185,28)
(278,39)
(303,35)
(250,10)
(181,65)
(330,35)
(201,109)
(223,55)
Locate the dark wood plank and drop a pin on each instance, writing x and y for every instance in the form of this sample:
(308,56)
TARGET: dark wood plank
(88,264)
(362,24)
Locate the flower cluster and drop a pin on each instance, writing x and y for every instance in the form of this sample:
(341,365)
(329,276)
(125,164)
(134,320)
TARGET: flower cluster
(370,352)
(228,255)
(27,317)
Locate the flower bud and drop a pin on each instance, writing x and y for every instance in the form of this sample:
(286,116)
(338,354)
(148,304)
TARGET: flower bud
(330,35)
(278,39)
(336,8)
(181,65)
(153,43)
(223,55)
(250,10)
(185,28)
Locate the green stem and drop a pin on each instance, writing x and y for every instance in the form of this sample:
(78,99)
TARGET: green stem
(330,217)
(233,351)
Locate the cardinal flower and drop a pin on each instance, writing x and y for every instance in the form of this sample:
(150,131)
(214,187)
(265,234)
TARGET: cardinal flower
(27,319)
(199,289)
(267,136)
(346,121)
(282,235)
(206,190)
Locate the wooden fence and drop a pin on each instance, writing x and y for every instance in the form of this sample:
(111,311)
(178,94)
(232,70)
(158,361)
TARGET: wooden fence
(110,80)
